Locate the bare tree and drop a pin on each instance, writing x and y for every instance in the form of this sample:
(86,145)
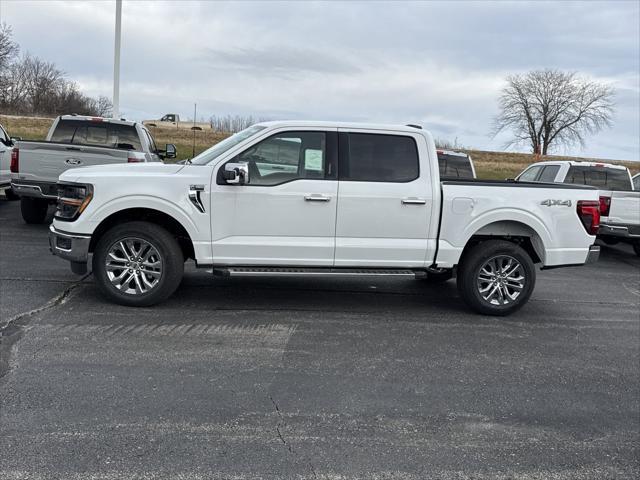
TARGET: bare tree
(545,108)
(8,48)
(104,107)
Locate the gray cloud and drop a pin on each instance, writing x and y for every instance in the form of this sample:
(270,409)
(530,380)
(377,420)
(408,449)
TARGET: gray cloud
(439,63)
(283,60)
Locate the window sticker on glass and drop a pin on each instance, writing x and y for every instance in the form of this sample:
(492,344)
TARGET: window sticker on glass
(313,160)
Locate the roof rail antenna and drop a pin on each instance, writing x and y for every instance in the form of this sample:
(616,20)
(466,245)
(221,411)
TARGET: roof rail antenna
(419,127)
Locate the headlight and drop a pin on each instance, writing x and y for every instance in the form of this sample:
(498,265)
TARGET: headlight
(73,198)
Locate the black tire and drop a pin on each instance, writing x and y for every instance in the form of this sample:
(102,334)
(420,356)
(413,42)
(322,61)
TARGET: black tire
(439,277)
(636,248)
(168,250)
(34,210)
(11,195)
(469,282)
(610,240)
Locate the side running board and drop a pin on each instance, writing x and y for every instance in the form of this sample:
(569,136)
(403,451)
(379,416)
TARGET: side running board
(297,271)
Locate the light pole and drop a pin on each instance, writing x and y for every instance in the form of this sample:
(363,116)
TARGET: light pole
(116,61)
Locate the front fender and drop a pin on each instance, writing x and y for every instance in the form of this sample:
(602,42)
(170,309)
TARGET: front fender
(178,212)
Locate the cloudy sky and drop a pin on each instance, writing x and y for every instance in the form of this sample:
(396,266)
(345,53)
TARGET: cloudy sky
(440,64)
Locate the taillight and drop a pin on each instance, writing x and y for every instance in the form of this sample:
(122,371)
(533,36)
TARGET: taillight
(589,213)
(605,204)
(15,161)
(134,160)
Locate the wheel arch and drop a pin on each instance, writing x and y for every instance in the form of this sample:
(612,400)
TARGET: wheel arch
(150,215)
(522,234)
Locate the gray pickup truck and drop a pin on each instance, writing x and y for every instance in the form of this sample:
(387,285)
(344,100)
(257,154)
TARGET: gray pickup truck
(76,141)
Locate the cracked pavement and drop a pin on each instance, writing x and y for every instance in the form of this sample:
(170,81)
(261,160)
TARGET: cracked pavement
(315,378)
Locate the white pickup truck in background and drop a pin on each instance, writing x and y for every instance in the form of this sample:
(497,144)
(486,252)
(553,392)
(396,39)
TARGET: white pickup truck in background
(620,220)
(619,203)
(454,165)
(6,145)
(173,120)
(605,176)
(319,198)
(75,141)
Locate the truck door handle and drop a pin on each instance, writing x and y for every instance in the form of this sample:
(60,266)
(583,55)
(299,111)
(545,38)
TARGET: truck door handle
(316,198)
(413,201)
(74,149)
(73,161)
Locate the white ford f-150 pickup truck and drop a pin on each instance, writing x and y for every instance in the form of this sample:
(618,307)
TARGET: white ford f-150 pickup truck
(75,141)
(318,198)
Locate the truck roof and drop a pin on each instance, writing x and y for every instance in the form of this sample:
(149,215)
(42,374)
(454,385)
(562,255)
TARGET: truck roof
(580,163)
(85,118)
(334,124)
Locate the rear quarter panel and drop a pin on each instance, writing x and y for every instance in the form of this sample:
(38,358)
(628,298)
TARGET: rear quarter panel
(468,209)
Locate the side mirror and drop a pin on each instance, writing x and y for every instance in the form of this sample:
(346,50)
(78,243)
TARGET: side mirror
(236,173)
(16,139)
(170,150)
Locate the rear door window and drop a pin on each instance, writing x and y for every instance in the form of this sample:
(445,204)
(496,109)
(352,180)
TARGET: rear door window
(379,158)
(454,166)
(601,177)
(636,182)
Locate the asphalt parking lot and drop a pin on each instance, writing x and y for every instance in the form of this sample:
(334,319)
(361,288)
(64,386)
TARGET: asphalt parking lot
(290,378)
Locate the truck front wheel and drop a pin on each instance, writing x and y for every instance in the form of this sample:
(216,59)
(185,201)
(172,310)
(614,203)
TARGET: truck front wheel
(496,277)
(138,264)
(34,210)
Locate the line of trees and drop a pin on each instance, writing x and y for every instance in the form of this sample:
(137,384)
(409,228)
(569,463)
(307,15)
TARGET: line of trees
(32,86)
(233,123)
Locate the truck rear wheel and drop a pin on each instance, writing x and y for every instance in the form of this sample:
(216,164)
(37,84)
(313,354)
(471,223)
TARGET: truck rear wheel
(636,247)
(34,210)
(496,277)
(138,264)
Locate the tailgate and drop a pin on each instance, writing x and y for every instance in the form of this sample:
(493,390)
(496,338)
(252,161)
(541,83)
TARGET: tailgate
(45,161)
(624,209)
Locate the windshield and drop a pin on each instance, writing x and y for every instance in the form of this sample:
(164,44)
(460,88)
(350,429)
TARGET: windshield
(226,144)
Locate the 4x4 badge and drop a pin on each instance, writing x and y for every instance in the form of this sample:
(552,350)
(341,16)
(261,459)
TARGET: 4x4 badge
(556,203)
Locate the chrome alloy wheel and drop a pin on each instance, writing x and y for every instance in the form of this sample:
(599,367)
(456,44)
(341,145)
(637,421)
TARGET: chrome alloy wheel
(501,280)
(133,266)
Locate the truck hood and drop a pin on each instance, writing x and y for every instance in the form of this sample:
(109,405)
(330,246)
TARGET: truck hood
(120,170)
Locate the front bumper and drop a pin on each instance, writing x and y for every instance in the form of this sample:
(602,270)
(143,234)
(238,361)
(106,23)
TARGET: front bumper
(622,231)
(70,246)
(594,254)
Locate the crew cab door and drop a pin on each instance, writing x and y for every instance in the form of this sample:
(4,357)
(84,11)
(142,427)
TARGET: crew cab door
(385,200)
(285,212)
